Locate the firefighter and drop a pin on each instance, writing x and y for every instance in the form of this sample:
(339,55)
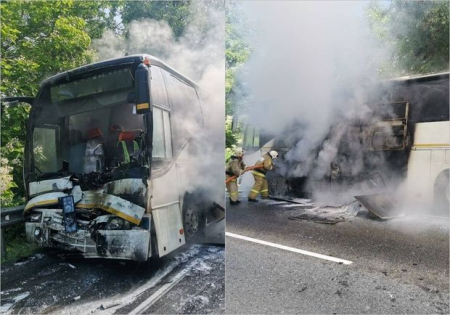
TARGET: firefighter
(94,154)
(235,167)
(259,174)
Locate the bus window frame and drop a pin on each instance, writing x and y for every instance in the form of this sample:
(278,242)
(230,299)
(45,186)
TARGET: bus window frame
(164,130)
(58,145)
(392,122)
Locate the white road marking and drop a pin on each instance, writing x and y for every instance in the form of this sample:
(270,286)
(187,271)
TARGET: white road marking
(160,292)
(292,205)
(291,249)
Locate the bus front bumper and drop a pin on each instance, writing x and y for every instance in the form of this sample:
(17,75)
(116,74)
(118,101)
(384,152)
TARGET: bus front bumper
(131,244)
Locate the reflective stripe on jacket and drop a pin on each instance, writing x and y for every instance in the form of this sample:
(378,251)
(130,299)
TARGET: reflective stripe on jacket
(126,154)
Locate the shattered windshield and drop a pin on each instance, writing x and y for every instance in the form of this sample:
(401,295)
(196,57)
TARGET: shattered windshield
(96,132)
(101,83)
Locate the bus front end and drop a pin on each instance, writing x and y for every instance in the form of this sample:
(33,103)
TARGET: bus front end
(87,164)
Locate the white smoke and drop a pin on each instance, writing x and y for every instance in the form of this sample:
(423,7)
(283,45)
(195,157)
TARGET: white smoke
(312,67)
(199,55)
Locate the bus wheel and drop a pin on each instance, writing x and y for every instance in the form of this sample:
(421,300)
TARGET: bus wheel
(442,192)
(192,215)
(190,222)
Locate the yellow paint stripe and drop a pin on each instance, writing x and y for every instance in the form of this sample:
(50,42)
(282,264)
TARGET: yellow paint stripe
(110,210)
(258,174)
(142,106)
(428,145)
(120,214)
(42,203)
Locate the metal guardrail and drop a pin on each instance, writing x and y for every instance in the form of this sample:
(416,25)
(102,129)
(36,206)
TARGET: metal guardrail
(11,216)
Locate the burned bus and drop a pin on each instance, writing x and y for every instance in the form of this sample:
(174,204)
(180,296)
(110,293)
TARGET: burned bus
(401,143)
(105,161)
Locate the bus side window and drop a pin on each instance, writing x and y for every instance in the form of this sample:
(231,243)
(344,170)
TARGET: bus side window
(162,139)
(162,134)
(45,142)
(186,115)
(251,138)
(158,91)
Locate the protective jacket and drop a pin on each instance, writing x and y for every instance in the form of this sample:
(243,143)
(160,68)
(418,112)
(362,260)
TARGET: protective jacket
(235,167)
(261,185)
(94,156)
(266,162)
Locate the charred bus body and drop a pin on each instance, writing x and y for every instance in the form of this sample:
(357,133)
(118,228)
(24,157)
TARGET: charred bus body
(104,161)
(401,140)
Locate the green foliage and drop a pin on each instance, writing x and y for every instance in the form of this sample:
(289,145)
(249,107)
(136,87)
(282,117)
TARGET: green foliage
(415,32)
(39,38)
(42,38)
(237,52)
(12,139)
(16,243)
(230,138)
(176,13)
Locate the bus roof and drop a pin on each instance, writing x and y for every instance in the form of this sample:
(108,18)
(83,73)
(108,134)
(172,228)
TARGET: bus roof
(421,77)
(137,58)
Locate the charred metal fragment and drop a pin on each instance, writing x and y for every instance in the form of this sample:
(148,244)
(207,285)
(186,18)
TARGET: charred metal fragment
(384,206)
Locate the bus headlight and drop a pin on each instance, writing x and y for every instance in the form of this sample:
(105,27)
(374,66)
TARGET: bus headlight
(37,232)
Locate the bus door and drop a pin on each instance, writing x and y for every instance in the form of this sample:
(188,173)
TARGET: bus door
(165,201)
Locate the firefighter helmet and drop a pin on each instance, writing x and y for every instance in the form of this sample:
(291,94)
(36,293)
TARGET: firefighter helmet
(239,152)
(273,154)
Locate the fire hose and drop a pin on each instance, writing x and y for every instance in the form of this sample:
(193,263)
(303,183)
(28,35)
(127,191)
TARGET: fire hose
(248,168)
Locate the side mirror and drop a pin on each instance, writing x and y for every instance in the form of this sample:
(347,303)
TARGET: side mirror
(142,92)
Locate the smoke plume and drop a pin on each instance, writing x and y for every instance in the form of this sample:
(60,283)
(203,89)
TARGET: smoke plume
(312,67)
(199,55)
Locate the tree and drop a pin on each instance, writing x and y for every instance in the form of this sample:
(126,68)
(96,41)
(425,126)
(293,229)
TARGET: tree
(237,52)
(176,13)
(42,38)
(415,32)
(39,39)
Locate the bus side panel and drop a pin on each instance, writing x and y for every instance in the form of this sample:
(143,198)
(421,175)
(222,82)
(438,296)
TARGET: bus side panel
(427,159)
(166,211)
(419,177)
(169,228)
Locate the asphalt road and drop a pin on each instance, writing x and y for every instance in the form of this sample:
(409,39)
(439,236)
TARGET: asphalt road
(398,267)
(189,281)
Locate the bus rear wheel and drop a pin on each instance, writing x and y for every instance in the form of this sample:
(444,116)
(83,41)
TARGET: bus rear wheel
(193,215)
(190,222)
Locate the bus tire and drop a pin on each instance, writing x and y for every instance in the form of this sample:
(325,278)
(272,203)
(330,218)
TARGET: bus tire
(193,215)
(442,193)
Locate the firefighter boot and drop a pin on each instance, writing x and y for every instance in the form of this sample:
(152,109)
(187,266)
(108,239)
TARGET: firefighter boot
(234,203)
